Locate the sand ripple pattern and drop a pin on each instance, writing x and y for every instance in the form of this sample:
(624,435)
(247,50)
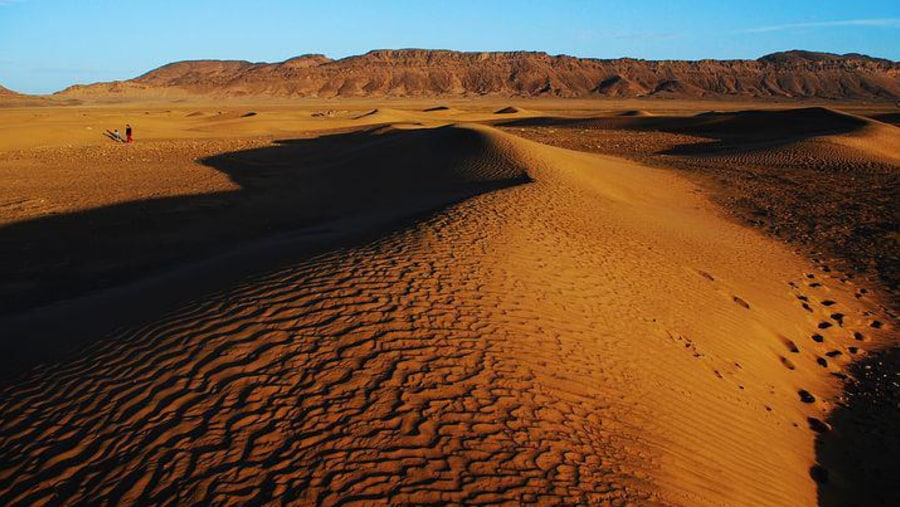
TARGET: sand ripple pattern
(389,373)
(484,356)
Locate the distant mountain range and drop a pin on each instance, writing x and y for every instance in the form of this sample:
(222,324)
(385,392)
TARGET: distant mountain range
(440,73)
(6,92)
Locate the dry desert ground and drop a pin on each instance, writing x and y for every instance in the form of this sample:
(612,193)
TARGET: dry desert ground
(468,301)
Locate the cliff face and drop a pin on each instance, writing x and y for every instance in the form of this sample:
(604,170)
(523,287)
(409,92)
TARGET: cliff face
(416,72)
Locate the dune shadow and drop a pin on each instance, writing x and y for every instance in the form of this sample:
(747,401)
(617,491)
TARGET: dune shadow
(890,118)
(856,452)
(726,131)
(757,130)
(333,190)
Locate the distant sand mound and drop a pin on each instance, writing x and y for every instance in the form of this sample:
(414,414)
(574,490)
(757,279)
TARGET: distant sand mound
(774,124)
(808,137)
(219,116)
(222,116)
(635,113)
(367,114)
(877,139)
(436,109)
(383,115)
(508,110)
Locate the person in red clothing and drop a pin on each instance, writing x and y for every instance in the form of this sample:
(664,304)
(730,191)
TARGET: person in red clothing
(128,137)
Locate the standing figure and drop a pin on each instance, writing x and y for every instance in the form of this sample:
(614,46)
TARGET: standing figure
(128,137)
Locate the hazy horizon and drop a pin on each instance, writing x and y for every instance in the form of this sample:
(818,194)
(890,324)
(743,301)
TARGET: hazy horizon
(47,45)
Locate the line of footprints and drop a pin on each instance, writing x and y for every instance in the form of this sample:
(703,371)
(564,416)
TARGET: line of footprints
(834,318)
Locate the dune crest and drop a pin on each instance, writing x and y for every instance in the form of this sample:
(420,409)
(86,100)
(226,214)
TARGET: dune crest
(635,112)
(532,344)
(508,110)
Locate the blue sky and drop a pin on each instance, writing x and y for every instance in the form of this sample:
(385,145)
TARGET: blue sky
(46,45)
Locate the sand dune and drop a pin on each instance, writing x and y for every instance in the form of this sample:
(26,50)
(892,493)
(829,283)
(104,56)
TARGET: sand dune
(822,179)
(384,115)
(255,192)
(776,125)
(598,333)
(814,136)
(748,125)
(874,140)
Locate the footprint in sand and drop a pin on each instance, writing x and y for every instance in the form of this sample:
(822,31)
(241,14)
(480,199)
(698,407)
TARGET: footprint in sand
(787,363)
(806,396)
(741,302)
(817,425)
(791,346)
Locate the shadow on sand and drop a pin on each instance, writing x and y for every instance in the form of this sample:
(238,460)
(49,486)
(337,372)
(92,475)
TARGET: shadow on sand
(726,130)
(857,457)
(68,279)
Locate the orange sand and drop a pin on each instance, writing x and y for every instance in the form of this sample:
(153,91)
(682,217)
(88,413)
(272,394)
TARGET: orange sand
(597,334)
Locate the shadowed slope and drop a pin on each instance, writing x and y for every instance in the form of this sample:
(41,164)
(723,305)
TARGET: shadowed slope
(598,336)
(349,184)
(859,443)
(746,126)
(774,133)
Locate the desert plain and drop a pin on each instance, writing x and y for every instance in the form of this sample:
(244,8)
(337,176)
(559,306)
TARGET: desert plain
(449,301)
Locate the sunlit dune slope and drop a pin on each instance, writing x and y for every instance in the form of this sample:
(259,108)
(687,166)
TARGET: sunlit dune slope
(818,178)
(596,335)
